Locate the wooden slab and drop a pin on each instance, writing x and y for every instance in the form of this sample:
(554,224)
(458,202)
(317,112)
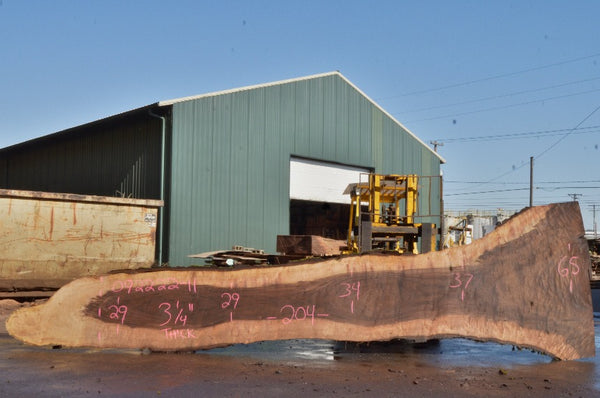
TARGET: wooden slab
(48,239)
(309,245)
(525,284)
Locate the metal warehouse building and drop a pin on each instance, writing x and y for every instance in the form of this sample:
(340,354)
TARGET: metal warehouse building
(235,167)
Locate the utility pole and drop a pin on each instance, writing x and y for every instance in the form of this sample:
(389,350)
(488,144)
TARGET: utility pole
(436,144)
(594,220)
(531,181)
(575,196)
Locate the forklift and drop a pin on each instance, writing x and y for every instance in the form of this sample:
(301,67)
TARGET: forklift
(382,216)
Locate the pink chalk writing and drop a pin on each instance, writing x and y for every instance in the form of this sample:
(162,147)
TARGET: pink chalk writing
(119,312)
(349,288)
(192,285)
(148,285)
(568,267)
(172,334)
(352,291)
(458,282)
(301,313)
(180,318)
(231,300)
(100,291)
(297,313)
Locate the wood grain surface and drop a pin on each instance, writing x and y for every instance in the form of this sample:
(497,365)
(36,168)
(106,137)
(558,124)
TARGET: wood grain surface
(525,284)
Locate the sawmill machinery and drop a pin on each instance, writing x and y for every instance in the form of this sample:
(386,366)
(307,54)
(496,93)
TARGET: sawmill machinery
(382,215)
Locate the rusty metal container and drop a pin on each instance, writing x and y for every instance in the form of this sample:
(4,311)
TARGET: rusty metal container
(48,239)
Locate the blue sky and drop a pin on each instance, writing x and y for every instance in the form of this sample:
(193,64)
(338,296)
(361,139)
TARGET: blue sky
(521,76)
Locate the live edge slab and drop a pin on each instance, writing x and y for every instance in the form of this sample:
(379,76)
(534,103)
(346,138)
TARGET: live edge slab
(525,284)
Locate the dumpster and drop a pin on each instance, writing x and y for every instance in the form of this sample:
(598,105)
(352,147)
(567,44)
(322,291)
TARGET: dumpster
(48,239)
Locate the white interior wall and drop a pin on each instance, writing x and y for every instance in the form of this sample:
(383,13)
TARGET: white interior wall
(321,181)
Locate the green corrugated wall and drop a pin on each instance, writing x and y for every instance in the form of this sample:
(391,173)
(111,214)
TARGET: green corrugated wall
(231,155)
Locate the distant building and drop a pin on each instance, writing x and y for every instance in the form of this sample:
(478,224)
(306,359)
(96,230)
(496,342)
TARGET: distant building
(462,227)
(235,167)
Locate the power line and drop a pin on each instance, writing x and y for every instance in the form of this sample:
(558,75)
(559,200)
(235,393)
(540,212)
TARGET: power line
(556,188)
(567,134)
(530,134)
(537,183)
(466,83)
(517,189)
(515,168)
(491,191)
(502,106)
(498,96)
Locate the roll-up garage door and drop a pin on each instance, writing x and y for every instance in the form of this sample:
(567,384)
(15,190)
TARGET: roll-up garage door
(320,181)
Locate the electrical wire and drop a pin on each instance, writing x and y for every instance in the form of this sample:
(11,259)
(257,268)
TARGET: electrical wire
(515,168)
(567,134)
(492,196)
(530,134)
(492,191)
(540,182)
(466,83)
(503,106)
(498,96)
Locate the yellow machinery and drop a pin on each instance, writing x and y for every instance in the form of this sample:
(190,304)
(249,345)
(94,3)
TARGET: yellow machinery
(459,234)
(382,216)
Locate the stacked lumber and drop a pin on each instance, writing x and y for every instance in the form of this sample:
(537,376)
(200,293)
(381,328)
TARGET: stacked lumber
(525,284)
(244,256)
(238,255)
(309,245)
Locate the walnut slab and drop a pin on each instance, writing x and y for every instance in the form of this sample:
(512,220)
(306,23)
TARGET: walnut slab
(525,284)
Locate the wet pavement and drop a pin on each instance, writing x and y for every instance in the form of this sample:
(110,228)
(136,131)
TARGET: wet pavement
(442,354)
(453,367)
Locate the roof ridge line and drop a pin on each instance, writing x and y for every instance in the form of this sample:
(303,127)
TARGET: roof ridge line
(392,117)
(297,79)
(246,88)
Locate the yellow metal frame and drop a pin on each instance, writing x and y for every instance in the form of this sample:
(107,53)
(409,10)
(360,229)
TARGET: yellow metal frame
(391,199)
(390,190)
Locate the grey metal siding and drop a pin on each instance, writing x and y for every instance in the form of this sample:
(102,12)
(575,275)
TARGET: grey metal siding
(105,158)
(277,169)
(256,169)
(377,139)
(231,155)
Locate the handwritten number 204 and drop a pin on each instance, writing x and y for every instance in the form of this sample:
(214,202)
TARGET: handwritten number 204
(298,313)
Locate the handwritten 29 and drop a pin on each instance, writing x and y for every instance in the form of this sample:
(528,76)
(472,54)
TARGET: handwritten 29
(119,311)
